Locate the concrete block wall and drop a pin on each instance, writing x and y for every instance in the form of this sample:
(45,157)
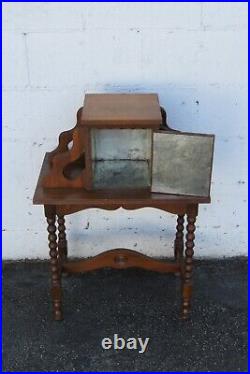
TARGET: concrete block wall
(194,55)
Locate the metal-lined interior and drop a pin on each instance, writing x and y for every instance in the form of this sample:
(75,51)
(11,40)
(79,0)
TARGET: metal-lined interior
(121,158)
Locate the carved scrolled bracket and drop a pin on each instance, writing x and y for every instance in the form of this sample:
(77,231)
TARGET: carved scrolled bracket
(67,163)
(64,139)
(164,124)
(63,146)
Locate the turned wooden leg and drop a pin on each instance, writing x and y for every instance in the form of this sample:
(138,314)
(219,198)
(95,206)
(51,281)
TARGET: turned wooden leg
(179,243)
(55,269)
(188,266)
(62,241)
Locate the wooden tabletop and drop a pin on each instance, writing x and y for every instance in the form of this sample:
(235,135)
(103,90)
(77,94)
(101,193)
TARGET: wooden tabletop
(107,198)
(121,110)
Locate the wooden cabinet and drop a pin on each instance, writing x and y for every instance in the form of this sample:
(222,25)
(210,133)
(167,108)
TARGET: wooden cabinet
(121,141)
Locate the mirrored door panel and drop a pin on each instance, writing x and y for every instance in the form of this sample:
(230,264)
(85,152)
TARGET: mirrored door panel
(182,163)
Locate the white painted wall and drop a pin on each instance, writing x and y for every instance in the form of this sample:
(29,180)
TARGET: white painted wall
(193,54)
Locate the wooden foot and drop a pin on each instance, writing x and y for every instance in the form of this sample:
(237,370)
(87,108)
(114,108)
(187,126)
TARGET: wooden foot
(188,266)
(55,269)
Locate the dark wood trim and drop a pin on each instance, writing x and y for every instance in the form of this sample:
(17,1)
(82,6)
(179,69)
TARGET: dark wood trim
(69,209)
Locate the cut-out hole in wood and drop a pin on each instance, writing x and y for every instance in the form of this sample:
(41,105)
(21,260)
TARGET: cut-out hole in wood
(70,145)
(74,169)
